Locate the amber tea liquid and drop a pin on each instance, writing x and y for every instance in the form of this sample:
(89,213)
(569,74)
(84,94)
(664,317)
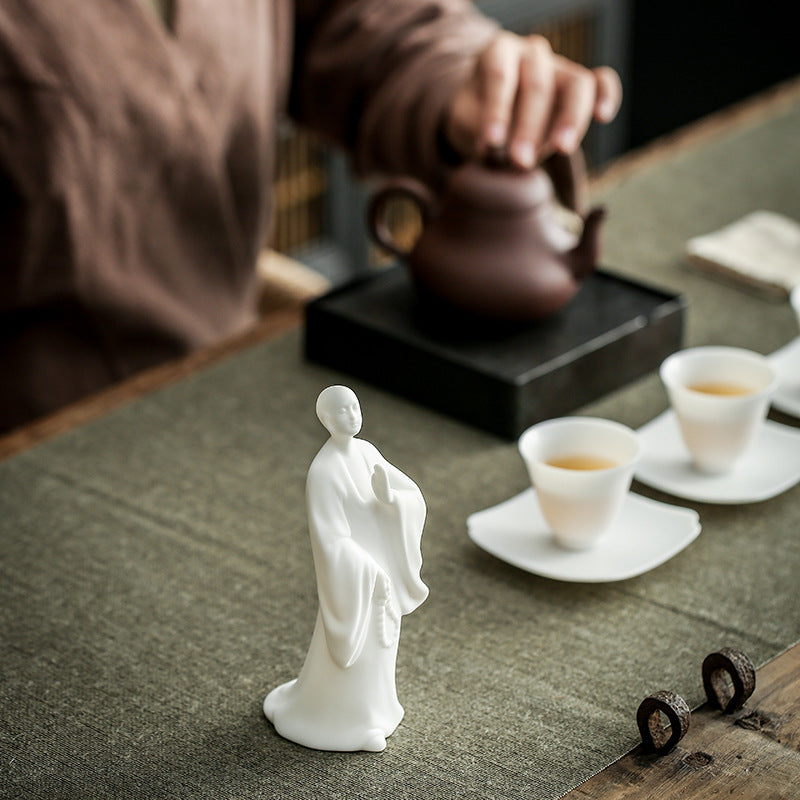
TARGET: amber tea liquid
(721,388)
(582,462)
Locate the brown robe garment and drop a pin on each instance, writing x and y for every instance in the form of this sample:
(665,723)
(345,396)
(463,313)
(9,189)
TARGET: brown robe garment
(136,162)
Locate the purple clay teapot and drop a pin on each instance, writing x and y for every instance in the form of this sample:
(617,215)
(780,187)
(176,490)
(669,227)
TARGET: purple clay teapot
(493,243)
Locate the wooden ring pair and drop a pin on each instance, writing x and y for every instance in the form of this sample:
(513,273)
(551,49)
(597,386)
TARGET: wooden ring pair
(729,679)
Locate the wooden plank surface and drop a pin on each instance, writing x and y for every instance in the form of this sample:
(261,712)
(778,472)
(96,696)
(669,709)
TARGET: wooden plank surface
(753,753)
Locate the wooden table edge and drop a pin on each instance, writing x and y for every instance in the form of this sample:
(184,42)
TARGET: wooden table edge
(144,383)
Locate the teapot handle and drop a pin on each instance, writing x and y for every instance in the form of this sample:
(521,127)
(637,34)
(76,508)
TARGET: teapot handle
(405,188)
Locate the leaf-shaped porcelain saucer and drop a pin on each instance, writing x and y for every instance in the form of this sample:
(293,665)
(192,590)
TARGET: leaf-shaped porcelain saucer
(647,534)
(769,467)
(787,363)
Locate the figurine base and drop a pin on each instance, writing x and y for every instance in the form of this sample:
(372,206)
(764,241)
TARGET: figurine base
(499,377)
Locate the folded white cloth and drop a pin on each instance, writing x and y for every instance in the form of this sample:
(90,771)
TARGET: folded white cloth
(760,251)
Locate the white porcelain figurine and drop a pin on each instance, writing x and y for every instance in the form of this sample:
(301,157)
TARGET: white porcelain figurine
(365,518)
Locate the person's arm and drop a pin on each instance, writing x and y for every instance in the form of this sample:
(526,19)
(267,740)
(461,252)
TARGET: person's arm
(391,81)
(377,77)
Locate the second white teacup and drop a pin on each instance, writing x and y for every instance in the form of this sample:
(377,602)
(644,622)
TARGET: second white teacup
(720,396)
(581,468)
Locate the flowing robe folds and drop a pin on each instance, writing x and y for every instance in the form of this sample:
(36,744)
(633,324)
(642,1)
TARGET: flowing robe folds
(367,561)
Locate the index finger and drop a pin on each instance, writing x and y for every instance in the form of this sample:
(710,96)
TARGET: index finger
(498,75)
(534,99)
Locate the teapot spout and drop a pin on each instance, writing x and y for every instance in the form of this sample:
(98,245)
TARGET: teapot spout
(582,259)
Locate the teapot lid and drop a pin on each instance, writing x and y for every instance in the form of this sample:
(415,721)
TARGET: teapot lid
(499,188)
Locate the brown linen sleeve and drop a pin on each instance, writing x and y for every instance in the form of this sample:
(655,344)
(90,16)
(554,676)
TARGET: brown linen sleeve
(376,77)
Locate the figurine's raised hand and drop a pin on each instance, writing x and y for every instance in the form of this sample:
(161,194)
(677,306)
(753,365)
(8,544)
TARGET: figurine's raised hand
(526,99)
(380,485)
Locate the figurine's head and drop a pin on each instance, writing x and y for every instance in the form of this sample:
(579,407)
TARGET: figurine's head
(339,411)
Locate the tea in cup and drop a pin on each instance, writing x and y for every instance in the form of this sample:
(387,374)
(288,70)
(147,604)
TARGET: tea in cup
(794,300)
(720,396)
(581,469)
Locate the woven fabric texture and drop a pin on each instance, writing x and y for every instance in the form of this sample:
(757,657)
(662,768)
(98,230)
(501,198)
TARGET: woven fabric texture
(157,577)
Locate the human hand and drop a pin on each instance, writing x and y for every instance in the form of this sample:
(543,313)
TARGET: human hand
(380,485)
(529,101)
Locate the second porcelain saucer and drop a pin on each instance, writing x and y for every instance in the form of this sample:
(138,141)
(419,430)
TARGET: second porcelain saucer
(787,362)
(770,466)
(647,534)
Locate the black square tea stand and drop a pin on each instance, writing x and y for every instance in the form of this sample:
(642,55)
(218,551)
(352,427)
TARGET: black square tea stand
(499,378)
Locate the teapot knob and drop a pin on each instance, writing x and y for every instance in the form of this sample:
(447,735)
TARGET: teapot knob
(570,179)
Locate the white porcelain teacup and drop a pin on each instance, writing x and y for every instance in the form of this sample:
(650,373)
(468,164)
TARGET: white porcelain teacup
(581,468)
(720,396)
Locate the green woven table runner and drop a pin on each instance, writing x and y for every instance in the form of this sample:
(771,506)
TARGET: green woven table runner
(157,577)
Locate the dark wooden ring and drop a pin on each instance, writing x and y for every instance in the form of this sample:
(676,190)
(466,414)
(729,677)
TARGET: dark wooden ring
(648,718)
(739,667)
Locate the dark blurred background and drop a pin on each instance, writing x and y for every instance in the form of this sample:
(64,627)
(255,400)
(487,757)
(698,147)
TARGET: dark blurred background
(688,59)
